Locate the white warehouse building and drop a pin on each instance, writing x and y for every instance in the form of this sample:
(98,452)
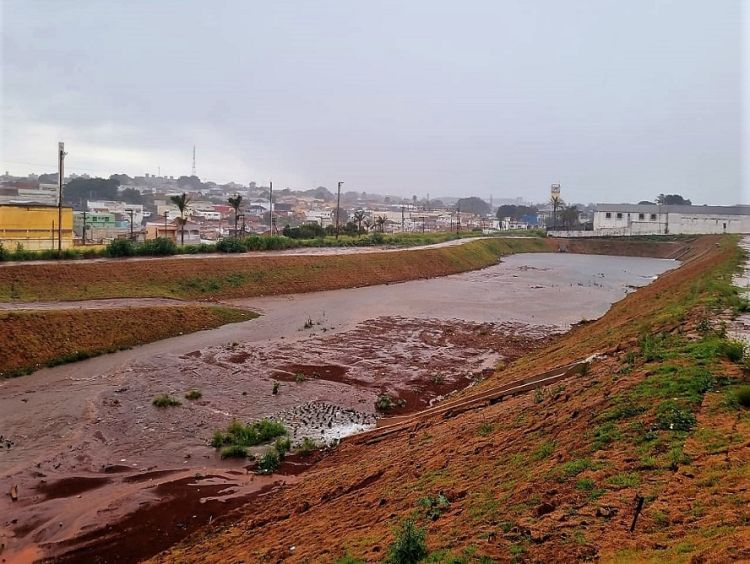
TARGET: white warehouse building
(653,219)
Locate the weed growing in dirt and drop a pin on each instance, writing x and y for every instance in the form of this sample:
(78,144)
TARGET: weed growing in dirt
(486,429)
(275,389)
(307,446)
(538,395)
(624,480)
(544,450)
(234,451)
(673,418)
(573,468)
(604,435)
(433,506)
(308,323)
(384,403)
(282,446)
(438,379)
(742,395)
(193,394)
(165,400)
(733,350)
(257,433)
(269,462)
(299,377)
(409,546)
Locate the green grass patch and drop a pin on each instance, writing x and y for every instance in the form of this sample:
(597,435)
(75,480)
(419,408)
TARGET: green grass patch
(257,433)
(165,400)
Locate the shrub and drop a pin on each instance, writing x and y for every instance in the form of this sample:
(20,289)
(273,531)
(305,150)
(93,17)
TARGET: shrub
(485,429)
(234,451)
(4,254)
(248,435)
(307,446)
(743,395)
(377,239)
(165,400)
(161,246)
(409,546)
(275,389)
(269,462)
(384,402)
(282,446)
(671,417)
(733,350)
(434,506)
(121,248)
(193,394)
(231,245)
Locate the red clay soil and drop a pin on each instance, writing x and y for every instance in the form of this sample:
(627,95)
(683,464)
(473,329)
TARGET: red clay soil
(550,475)
(249,276)
(33,339)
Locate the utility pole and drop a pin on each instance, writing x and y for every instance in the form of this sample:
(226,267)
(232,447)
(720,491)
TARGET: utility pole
(165,224)
(131,224)
(402,218)
(61,175)
(458,219)
(84,227)
(338,207)
(270,208)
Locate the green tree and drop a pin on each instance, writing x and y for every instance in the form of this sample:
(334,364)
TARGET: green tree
(672,200)
(380,223)
(181,202)
(235,201)
(474,205)
(557,203)
(359,217)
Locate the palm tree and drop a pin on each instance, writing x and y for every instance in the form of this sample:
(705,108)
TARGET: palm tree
(359,217)
(380,222)
(557,203)
(367,223)
(181,202)
(236,202)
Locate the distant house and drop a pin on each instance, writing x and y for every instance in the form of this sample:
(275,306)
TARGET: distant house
(172,230)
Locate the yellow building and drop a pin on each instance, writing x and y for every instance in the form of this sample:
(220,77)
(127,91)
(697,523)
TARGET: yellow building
(34,226)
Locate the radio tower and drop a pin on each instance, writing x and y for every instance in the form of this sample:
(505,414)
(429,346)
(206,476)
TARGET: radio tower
(194,160)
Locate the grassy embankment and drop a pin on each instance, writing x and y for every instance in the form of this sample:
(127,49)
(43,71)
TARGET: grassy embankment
(34,339)
(551,475)
(248,276)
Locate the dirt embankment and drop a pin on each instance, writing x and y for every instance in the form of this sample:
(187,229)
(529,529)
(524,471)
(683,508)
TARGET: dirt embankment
(249,276)
(551,475)
(33,339)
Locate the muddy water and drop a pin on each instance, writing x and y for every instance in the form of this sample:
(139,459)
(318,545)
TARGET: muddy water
(87,449)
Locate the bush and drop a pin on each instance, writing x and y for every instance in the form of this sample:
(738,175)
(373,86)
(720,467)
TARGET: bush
(165,400)
(743,395)
(733,350)
(384,402)
(4,254)
(269,462)
(409,546)
(193,394)
(307,446)
(161,246)
(282,446)
(231,245)
(121,248)
(248,435)
(234,451)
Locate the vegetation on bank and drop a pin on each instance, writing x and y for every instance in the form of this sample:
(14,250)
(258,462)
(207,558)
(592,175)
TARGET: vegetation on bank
(234,277)
(33,339)
(166,247)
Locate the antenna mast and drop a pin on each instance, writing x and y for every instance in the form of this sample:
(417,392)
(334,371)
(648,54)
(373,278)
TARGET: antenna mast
(194,160)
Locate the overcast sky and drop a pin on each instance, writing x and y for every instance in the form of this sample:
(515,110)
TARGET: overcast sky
(616,100)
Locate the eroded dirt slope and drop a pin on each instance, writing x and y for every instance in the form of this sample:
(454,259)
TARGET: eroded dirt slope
(552,474)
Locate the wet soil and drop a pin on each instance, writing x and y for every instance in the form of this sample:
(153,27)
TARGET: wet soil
(91,456)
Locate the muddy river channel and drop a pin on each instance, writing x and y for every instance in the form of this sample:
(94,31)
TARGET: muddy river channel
(102,475)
